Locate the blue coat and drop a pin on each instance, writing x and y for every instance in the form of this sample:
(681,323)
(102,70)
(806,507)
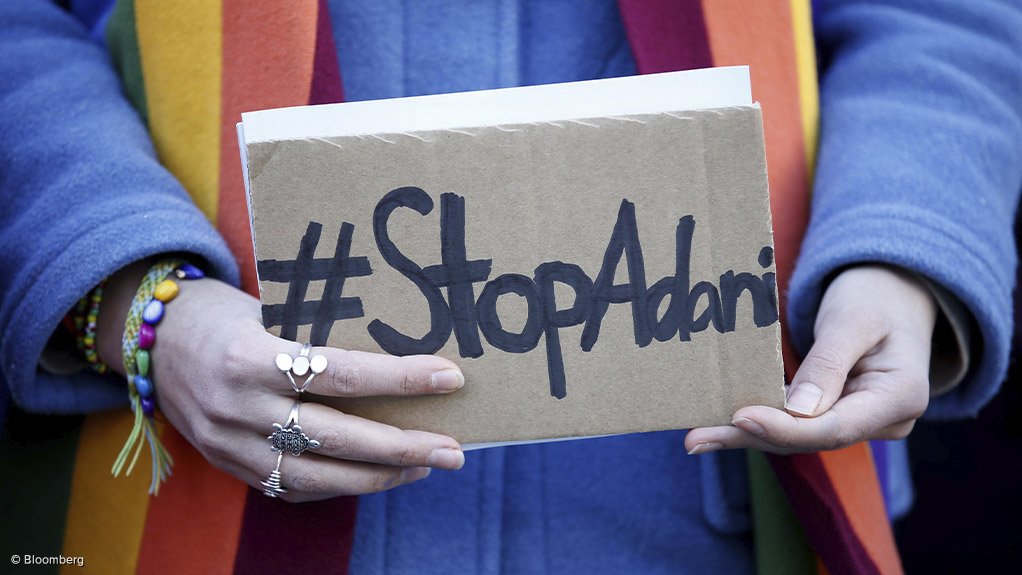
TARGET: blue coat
(920,166)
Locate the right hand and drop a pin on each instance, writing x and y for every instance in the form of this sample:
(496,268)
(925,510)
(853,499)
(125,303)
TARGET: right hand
(217,383)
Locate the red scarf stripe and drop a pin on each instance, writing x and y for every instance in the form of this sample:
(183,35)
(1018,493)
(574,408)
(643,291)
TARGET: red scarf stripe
(827,527)
(326,71)
(862,502)
(192,525)
(666,35)
(275,534)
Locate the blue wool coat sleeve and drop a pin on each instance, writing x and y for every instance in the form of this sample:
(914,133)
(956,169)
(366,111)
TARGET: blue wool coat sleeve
(920,163)
(82,194)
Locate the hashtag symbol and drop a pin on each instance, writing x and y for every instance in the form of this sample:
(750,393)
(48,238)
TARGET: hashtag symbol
(306,268)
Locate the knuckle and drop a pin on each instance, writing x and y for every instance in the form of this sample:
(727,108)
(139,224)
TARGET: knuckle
(217,408)
(837,434)
(208,441)
(786,442)
(336,440)
(836,442)
(781,439)
(307,483)
(216,452)
(843,437)
(405,456)
(826,362)
(349,378)
(409,384)
(236,362)
(382,481)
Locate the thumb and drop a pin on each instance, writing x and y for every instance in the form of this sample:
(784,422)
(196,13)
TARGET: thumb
(821,378)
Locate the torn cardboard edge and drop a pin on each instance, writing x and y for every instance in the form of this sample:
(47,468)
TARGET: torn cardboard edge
(704,89)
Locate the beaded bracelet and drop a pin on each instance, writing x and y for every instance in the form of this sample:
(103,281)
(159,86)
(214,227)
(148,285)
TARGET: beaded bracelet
(85,321)
(147,309)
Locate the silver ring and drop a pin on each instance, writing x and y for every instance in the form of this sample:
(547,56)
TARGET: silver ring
(301,365)
(272,484)
(289,437)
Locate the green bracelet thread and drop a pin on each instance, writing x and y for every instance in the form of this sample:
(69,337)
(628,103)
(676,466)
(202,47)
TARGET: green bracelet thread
(144,427)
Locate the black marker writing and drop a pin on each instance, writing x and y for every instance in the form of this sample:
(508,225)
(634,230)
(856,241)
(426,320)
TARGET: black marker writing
(391,340)
(457,274)
(467,316)
(322,314)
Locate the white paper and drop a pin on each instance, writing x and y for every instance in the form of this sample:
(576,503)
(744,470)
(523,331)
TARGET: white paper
(647,94)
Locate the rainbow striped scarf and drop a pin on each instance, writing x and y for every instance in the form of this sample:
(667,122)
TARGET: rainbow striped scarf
(191,69)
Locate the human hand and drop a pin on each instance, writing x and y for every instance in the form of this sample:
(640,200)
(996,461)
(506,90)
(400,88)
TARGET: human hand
(865,377)
(217,383)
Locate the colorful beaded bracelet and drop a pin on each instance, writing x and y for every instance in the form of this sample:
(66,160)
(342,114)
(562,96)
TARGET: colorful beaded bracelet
(147,310)
(85,321)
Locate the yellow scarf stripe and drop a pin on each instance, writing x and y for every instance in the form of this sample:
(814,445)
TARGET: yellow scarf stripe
(181,52)
(805,62)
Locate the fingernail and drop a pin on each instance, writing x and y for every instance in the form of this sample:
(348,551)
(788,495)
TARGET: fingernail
(804,399)
(748,426)
(447,458)
(413,474)
(705,448)
(448,380)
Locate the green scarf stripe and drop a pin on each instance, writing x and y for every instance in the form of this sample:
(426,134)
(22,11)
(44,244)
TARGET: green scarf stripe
(780,542)
(122,41)
(37,461)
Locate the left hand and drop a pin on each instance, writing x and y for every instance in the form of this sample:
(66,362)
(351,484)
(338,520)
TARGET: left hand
(865,377)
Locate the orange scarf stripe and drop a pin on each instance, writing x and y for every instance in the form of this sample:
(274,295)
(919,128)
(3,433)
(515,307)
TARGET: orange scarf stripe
(863,503)
(268,51)
(734,42)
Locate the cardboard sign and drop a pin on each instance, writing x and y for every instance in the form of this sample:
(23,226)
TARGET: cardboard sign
(596,256)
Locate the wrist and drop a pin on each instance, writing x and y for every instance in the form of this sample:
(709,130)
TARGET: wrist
(119,292)
(899,296)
